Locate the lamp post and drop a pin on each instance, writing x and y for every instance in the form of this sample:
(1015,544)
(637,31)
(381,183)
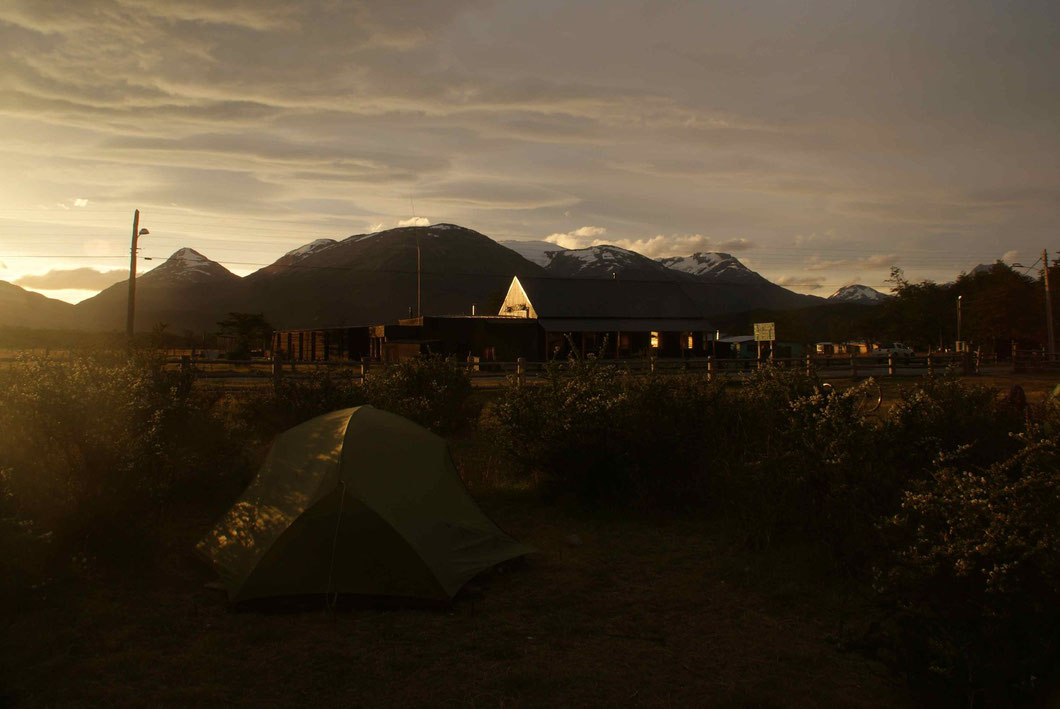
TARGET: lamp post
(959,319)
(137,232)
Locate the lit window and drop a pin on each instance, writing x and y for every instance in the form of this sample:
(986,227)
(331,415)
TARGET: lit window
(689,345)
(655,340)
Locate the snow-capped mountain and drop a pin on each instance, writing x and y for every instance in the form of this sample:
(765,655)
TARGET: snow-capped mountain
(371,278)
(187,266)
(292,257)
(858,293)
(711,265)
(310,248)
(606,261)
(535,251)
(723,284)
(716,282)
(187,291)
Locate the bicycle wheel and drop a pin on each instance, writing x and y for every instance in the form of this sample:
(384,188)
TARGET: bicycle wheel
(871,398)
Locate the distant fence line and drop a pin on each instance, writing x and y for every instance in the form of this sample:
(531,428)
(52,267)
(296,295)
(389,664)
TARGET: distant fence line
(833,366)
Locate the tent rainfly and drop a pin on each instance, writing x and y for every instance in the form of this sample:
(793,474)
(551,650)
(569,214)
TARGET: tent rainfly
(357,501)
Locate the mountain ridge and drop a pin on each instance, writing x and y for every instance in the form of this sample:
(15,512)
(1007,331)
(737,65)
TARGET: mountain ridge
(25,308)
(187,291)
(370,278)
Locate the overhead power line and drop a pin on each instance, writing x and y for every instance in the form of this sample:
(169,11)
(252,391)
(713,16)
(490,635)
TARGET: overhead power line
(803,258)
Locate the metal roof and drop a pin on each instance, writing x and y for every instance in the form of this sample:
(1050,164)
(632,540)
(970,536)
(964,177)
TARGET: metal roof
(624,325)
(592,298)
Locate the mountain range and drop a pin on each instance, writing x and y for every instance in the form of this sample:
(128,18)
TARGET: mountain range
(379,277)
(22,308)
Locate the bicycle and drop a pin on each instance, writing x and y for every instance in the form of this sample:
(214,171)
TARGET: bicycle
(868,402)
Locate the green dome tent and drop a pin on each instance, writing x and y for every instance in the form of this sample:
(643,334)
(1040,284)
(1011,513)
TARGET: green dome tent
(355,501)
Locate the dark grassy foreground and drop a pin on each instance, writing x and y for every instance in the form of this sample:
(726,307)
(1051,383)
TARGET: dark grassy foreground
(753,544)
(645,611)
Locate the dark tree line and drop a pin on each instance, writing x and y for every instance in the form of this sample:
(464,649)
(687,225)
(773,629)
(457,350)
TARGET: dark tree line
(999,305)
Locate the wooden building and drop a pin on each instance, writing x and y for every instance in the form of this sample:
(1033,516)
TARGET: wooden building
(487,337)
(491,338)
(540,318)
(635,318)
(321,344)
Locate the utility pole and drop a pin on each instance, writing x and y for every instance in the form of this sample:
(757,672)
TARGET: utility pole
(137,232)
(1048,306)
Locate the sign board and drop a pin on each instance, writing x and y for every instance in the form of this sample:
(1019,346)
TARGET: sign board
(765,332)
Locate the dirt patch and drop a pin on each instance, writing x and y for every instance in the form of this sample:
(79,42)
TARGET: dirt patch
(641,611)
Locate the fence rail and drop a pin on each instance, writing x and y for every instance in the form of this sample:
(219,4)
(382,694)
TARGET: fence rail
(832,366)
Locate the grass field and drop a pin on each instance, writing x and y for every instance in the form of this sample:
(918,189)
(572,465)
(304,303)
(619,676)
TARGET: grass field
(614,608)
(611,610)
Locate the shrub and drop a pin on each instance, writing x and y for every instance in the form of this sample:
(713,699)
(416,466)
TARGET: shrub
(591,431)
(814,470)
(428,390)
(264,413)
(943,415)
(559,433)
(99,444)
(972,593)
(431,390)
(676,437)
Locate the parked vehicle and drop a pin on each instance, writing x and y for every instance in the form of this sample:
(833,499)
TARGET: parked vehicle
(897,349)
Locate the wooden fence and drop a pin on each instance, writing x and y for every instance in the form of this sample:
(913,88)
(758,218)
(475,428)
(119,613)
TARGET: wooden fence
(484,373)
(239,372)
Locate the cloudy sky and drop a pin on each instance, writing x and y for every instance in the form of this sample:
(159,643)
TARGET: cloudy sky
(820,142)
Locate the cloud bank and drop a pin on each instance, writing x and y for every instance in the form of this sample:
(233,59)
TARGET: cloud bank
(872,261)
(657,246)
(257,121)
(807,282)
(73,279)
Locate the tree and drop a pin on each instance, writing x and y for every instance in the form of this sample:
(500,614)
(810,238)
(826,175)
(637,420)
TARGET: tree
(920,314)
(998,306)
(250,331)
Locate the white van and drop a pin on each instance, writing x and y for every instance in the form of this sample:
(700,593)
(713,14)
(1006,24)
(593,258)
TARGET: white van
(897,349)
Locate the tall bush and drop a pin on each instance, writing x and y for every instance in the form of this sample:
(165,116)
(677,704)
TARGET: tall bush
(258,416)
(96,445)
(972,591)
(810,466)
(431,390)
(590,430)
(943,415)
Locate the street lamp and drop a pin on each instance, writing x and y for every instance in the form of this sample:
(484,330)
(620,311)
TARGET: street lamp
(959,320)
(137,232)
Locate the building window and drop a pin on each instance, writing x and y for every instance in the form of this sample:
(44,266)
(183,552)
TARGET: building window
(654,340)
(688,343)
